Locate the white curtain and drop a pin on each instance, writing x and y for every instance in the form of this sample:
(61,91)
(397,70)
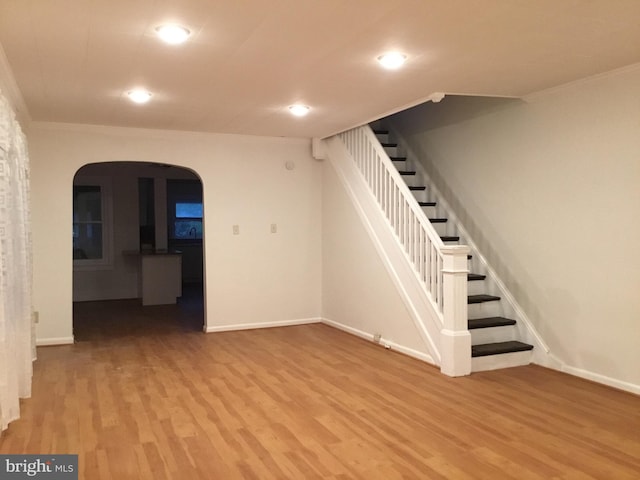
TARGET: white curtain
(16,333)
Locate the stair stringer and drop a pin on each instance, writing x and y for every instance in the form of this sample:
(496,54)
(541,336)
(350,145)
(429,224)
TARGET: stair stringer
(428,320)
(525,329)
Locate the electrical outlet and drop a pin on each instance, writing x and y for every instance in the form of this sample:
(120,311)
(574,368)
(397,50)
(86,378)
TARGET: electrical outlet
(377,337)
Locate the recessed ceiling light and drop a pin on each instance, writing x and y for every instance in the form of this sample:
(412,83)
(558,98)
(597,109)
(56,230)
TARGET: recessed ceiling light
(299,110)
(139,95)
(173,34)
(392,60)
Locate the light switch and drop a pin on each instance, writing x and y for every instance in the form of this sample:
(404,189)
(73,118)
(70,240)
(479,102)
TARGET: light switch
(274,228)
(236,229)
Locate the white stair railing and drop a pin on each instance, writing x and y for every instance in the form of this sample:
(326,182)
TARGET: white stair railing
(440,269)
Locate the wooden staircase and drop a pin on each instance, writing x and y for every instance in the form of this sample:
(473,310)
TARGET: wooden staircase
(494,337)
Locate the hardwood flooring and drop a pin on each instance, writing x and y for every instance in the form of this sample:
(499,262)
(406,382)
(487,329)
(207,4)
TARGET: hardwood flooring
(144,395)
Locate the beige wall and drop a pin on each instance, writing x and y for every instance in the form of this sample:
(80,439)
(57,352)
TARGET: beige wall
(549,188)
(357,291)
(253,278)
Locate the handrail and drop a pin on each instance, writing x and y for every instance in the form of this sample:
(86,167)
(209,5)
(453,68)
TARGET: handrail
(421,242)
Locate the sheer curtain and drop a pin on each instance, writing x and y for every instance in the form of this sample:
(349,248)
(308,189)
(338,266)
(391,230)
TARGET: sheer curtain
(16,333)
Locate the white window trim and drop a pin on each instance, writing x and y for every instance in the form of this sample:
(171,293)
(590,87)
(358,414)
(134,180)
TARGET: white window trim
(106,262)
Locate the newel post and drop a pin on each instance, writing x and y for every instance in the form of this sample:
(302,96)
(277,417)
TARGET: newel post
(456,339)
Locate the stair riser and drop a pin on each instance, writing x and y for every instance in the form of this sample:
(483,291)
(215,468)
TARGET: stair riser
(443,228)
(477,287)
(488,309)
(505,360)
(402,165)
(430,211)
(413,180)
(493,335)
(392,151)
(383,138)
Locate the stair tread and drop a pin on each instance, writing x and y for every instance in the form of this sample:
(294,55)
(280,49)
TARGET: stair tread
(398,159)
(388,144)
(381,132)
(438,220)
(450,238)
(418,188)
(471,299)
(427,204)
(499,348)
(475,276)
(489,322)
(406,172)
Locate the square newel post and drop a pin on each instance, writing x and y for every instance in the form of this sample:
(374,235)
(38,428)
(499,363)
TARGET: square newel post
(456,339)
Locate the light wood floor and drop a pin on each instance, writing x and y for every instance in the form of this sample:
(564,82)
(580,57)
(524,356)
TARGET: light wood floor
(144,395)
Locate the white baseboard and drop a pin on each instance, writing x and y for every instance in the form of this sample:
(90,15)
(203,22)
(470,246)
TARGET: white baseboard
(47,342)
(384,342)
(596,377)
(251,326)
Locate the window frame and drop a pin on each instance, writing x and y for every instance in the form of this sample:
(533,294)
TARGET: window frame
(106,201)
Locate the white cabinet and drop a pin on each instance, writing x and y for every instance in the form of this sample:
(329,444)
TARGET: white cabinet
(161,278)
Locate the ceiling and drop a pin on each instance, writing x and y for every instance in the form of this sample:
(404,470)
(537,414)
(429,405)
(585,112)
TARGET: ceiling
(247,60)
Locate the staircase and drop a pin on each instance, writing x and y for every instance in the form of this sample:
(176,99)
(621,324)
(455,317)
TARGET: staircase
(495,334)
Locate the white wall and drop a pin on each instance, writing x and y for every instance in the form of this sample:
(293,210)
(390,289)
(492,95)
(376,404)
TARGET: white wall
(255,278)
(550,187)
(358,294)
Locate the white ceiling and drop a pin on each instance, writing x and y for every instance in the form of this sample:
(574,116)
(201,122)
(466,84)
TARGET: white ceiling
(73,60)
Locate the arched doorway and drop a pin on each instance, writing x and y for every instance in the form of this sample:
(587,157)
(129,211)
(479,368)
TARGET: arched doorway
(137,249)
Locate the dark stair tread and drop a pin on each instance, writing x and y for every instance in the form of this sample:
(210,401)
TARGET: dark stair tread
(381,132)
(388,144)
(481,299)
(438,220)
(489,322)
(447,238)
(499,348)
(475,276)
(398,159)
(417,188)
(427,204)
(406,172)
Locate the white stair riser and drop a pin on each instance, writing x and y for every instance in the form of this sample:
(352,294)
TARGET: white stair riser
(493,335)
(383,138)
(392,151)
(477,287)
(487,309)
(505,360)
(443,228)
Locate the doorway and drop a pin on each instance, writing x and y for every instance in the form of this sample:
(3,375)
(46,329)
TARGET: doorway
(128,219)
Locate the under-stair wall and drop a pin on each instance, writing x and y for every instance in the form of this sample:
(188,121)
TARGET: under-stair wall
(359,294)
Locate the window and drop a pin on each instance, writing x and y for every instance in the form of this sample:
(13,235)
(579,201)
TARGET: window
(91,222)
(188,221)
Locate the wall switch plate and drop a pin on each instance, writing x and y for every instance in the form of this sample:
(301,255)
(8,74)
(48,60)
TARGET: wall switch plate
(236,229)
(274,228)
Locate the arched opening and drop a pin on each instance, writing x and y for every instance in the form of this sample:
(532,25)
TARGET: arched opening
(138,267)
